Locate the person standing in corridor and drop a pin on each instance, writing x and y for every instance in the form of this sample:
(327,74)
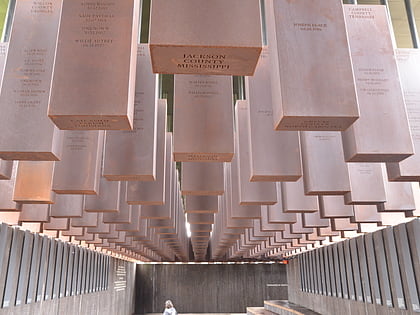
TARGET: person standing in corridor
(169,308)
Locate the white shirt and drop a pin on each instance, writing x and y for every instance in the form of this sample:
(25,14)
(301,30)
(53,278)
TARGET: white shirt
(170,311)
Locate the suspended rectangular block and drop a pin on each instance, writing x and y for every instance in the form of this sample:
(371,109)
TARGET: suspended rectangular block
(295,200)
(200,204)
(314,220)
(108,198)
(153,193)
(343,224)
(101,228)
(324,169)
(266,225)
(131,155)
(408,61)
(124,209)
(134,224)
(399,195)
(274,155)
(6,193)
(163,211)
(200,218)
(112,234)
(73,231)
(218,45)
(311,91)
(57,224)
(298,227)
(365,214)
(366,184)
(67,206)
(79,170)
(35,213)
(276,213)
(327,231)
(6,168)
(27,133)
(34,182)
(202,178)
(382,133)
(96,50)
(250,193)
(334,207)
(233,206)
(203,118)
(88,219)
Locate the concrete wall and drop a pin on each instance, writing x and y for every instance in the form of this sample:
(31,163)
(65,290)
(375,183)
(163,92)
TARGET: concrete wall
(208,288)
(373,274)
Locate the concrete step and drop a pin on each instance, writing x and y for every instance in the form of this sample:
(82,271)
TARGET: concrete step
(258,311)
(284,307)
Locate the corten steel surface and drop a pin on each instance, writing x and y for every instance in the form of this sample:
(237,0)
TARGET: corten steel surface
(399,195)
(274,155)
(57,224)
(382,133)
(153,193)
(334,207)
(88,219)
(201,37)
(365,214)
(202,178)
(163,211)
(95,66)
(406,266)
(33,182)
(343,224)
(200,218)
(108,198)
(79,169)
(131,155)
(134,224)
(67,206)
(314,220)
(276,213)
(100,228)
(200,204)
(298,228)
(6,168)
(266,225)
(324,169)
(35,213)
(6,193)
(27,133)
(203,118)
(294,198)
(327,231)
(366,184)
(408,61)
(413,232)
(124,209)
(231,198)
(250,193)
(312,89)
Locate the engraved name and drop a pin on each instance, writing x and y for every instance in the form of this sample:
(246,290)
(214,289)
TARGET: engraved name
(314,27)
(361,13)
(204,61)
